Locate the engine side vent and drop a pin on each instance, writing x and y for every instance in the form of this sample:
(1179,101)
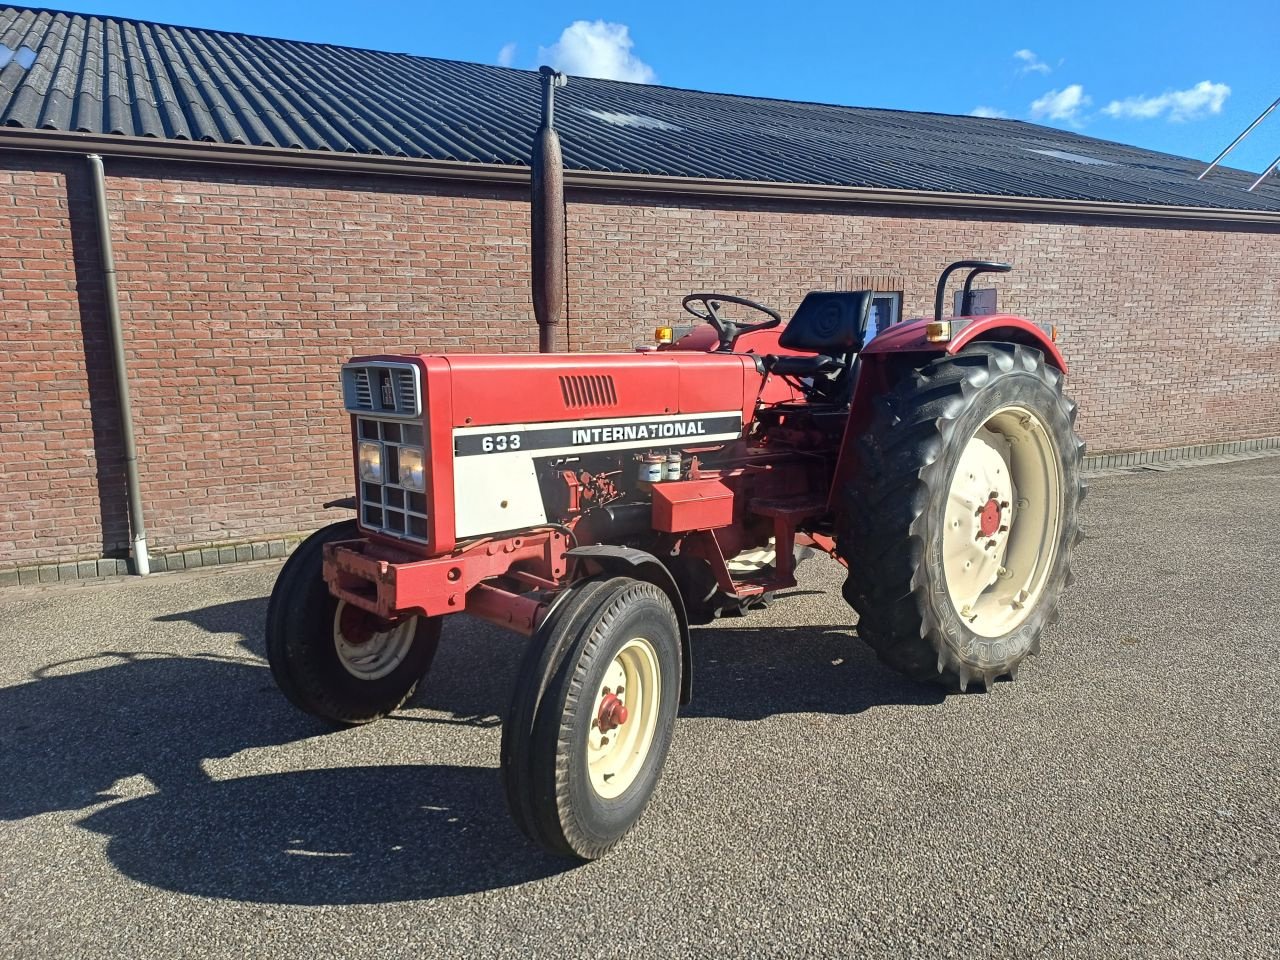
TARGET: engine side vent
(588,390)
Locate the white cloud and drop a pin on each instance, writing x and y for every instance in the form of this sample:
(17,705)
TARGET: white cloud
(989,112)
(597,49)
(1030,62)
(1063,105)
(507,55)
(1176,105)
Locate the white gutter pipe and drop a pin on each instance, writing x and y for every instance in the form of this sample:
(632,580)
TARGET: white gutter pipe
(141,561)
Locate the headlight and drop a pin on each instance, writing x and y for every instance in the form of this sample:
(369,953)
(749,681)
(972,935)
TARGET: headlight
(413,474)
(370,460)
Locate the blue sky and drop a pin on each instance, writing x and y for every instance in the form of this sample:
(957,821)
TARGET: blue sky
(1177,76)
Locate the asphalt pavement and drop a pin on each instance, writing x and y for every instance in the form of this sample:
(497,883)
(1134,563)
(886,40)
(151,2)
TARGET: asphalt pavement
(159,798)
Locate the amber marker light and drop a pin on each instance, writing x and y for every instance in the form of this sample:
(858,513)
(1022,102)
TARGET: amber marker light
(938,331)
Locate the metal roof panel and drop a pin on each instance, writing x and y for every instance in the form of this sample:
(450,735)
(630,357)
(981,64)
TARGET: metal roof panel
(111,75)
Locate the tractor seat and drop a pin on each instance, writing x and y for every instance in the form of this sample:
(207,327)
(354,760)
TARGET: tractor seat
(831,325)
(829,322)
(800,366)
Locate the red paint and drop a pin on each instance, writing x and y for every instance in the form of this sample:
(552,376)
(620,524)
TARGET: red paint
(487,389)
(358,626)
(613,713)
(990,522)
(389,582)
(909,337)
(703,338)
(683,505)
(759,488)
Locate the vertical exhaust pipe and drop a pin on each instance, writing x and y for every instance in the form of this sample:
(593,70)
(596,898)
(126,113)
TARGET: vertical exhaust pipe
(546,168)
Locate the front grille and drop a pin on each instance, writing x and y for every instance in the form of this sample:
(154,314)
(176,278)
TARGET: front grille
(388,388)
(388,507)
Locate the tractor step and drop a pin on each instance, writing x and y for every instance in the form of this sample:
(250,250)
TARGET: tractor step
(791,509)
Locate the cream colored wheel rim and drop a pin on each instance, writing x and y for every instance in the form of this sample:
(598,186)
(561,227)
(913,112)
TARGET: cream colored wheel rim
(615,754)
(377,656)
(1002,522)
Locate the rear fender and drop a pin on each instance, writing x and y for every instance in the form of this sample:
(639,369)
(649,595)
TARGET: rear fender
(904,346)
(629,562)
(910,337)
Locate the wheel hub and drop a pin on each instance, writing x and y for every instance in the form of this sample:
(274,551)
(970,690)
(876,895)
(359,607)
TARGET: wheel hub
(990,519)
(358,626)
(369,647)
(624,718)
(613,713)
(1001,522)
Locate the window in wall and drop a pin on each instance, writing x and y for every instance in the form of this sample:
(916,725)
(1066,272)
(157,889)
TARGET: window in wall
(886,310)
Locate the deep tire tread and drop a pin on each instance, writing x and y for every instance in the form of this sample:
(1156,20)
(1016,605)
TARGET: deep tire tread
(881,535)
(539,767)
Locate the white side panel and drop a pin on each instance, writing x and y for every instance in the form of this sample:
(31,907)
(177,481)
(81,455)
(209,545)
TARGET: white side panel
(494,480)
(495,492)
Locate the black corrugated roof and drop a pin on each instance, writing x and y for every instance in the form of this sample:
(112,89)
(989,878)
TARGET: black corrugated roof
(109,75)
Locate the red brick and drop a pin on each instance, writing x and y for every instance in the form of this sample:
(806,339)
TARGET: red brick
(241,301)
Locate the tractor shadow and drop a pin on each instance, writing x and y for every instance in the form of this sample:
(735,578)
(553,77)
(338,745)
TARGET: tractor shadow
(470,681)
(745,673)
(336,836)
(78,732)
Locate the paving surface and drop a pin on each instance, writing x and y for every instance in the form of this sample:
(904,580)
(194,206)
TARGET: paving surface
(159,798)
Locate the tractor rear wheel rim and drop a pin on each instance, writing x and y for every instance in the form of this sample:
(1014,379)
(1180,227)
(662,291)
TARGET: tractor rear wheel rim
(631,691)
(1002,521)
(370,653)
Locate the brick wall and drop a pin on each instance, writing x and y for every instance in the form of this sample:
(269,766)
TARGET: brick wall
(58,452)
(242,291)
(1172,332)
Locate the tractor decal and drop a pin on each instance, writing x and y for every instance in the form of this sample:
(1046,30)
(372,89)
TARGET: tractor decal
(611,433)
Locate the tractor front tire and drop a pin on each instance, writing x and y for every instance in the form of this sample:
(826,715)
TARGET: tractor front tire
(337,662)
(590,724)
(959,525)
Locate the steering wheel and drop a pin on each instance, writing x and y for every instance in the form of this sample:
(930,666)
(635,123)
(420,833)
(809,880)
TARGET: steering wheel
(728,330)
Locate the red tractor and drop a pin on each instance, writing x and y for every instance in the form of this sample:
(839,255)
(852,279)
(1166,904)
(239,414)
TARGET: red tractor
(603,504)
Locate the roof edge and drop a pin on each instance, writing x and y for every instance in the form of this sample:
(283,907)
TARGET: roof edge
(56,141)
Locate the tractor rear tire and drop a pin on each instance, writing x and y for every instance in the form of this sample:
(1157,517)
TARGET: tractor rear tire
(959,526)
(591,721)
(316,661)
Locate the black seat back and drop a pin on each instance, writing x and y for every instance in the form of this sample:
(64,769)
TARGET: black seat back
(829,322)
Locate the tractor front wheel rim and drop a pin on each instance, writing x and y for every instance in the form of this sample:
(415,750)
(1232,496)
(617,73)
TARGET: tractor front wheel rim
(624,718)
(366,652)
(1002,522)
